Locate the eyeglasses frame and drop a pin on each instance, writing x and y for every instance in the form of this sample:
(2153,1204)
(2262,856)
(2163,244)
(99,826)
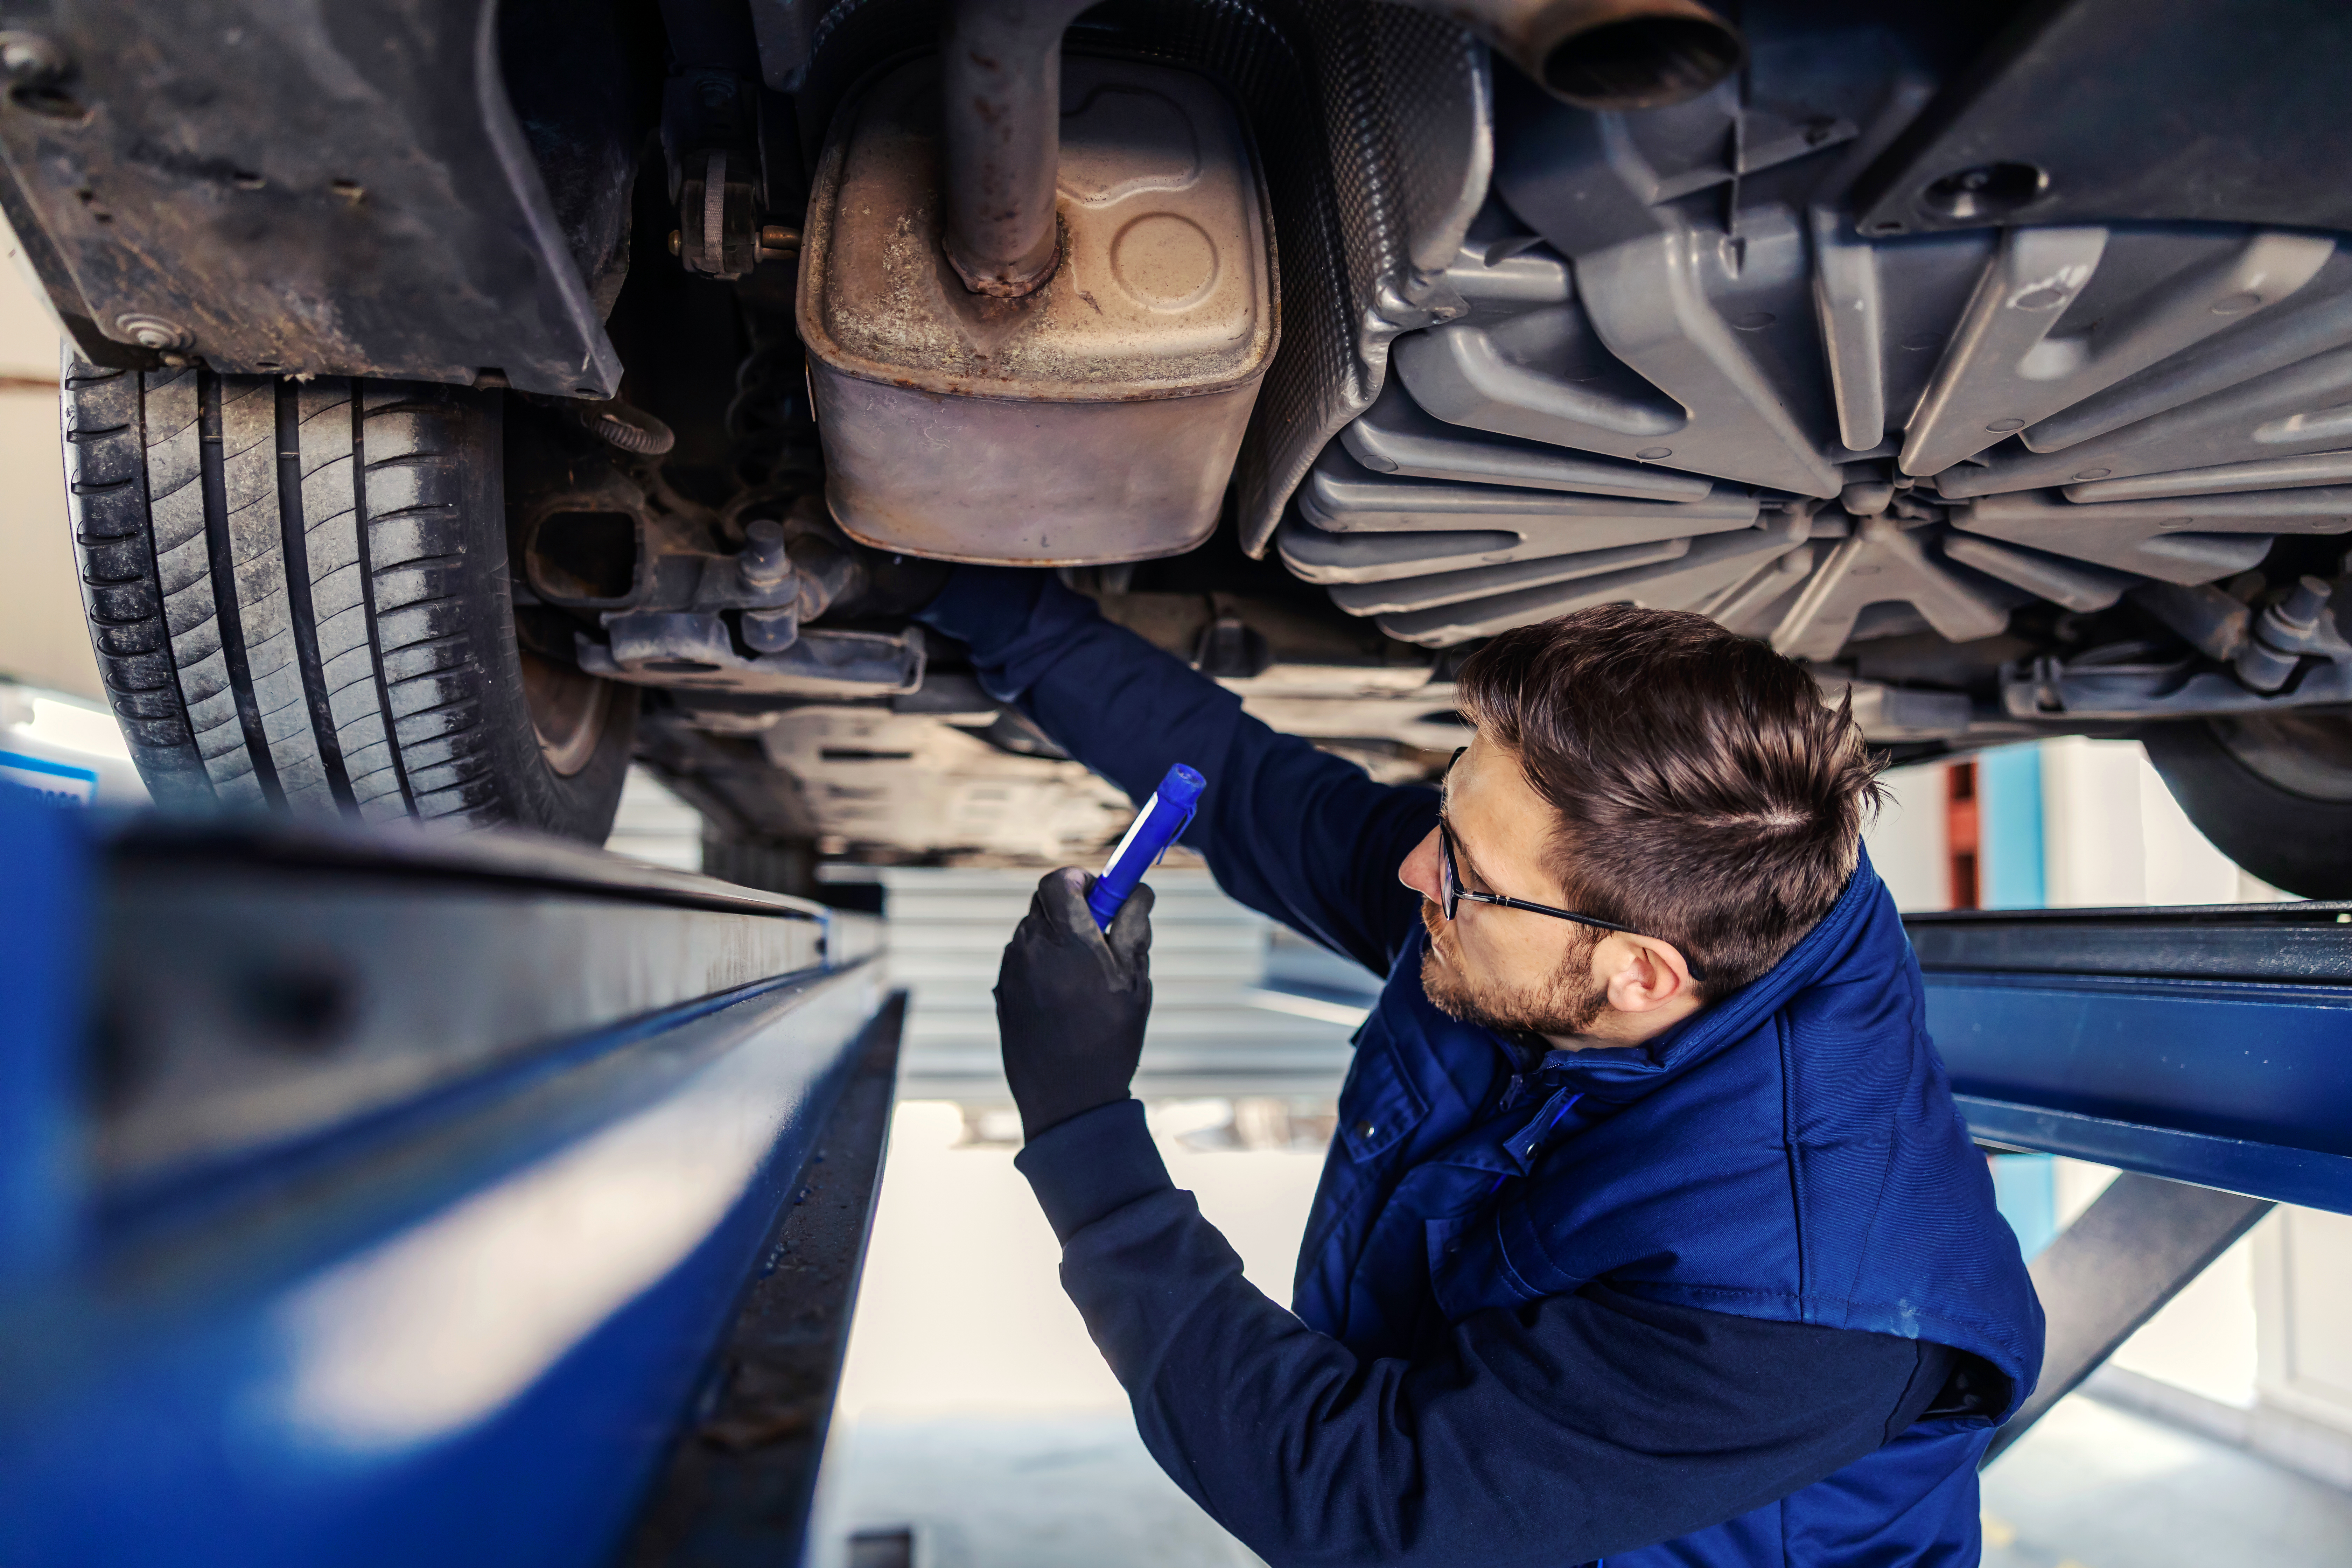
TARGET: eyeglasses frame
(1456,893)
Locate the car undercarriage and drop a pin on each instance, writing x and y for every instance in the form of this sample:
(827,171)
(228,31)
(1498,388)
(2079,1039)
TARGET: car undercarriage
(466,398)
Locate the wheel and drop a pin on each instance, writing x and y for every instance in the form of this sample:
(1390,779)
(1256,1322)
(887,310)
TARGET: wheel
(298,594)
(2274,791)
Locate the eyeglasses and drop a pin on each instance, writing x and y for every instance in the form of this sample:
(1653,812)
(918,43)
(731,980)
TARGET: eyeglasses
(1456,895)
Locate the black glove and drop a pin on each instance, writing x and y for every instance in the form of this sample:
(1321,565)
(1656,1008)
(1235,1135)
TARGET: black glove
(1070,1004)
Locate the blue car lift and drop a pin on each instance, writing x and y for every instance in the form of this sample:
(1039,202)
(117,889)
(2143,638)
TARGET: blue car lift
(399,1200)
(403,1199)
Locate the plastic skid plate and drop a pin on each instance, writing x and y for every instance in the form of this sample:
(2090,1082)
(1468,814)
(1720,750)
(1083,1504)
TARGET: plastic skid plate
(1935,418)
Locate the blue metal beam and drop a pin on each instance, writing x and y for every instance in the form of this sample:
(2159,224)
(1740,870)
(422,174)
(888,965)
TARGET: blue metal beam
(2243,1084)
(462,1322)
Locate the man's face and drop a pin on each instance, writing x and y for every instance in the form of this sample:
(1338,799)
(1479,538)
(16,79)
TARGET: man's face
(1506,969)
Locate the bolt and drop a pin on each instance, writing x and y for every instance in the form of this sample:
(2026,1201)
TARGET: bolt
(2285,633)
(763,562)
(779,240)
(2300,609)
(152,332)
(676,242)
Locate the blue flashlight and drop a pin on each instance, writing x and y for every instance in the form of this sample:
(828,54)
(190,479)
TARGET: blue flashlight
(1163,817)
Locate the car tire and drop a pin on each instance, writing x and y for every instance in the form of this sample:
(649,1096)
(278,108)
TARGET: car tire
(2274,791)
(299,597)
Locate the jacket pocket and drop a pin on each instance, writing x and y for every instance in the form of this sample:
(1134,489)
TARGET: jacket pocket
(1380,1105)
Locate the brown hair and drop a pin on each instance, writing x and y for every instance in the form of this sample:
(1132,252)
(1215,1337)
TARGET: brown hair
(1706,796)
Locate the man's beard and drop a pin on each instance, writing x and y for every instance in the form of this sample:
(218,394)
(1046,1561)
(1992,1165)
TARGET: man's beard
(1568,1001)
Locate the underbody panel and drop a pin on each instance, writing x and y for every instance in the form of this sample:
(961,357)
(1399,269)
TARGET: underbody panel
(1987,359)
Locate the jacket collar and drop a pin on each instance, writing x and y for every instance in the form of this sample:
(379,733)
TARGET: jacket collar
(1619,1074)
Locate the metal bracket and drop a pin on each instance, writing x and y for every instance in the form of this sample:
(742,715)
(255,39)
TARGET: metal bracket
(693,650)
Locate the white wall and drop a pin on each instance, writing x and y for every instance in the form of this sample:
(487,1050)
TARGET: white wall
(2112,834)
(1909,842)
(2302,1295)
(42,639)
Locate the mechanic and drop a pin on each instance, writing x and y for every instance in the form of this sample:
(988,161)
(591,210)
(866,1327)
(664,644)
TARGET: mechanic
(1650,1232)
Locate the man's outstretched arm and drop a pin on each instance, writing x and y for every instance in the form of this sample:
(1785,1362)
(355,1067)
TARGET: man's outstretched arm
(1290,831)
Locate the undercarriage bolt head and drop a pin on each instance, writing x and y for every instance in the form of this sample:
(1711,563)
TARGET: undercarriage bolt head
(2262,667)
(148,332)
(2287,630)
(2301,608)
(763,562)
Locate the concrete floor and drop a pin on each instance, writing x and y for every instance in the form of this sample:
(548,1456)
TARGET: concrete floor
(1076,1490)
(979,1428)
(2094,1487)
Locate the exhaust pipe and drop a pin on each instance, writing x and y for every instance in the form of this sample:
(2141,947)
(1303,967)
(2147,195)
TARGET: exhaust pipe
(1001,102)
(1606,54)
(1001,77)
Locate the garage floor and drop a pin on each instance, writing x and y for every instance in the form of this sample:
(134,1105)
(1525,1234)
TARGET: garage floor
(2094,1487)
(979,1428)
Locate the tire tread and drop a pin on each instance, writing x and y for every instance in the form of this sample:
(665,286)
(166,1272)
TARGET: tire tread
(304,636)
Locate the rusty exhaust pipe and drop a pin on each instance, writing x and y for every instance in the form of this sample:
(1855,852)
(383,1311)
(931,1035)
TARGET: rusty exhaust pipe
(1606,54)
(1002,79)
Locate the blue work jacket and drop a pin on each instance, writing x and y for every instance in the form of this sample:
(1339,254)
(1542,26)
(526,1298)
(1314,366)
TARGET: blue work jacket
(1791,1153)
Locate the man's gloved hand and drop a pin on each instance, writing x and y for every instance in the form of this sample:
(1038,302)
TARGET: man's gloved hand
(1070,1004)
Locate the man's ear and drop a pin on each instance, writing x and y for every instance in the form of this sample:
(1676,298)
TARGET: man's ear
(1644,974)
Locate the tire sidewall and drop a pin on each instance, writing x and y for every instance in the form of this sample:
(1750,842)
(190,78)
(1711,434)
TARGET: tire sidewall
(2289,840)
(580,805)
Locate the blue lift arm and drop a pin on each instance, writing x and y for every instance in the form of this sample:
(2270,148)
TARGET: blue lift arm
(2205,1051)
(399,1200)
(2205,1045)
